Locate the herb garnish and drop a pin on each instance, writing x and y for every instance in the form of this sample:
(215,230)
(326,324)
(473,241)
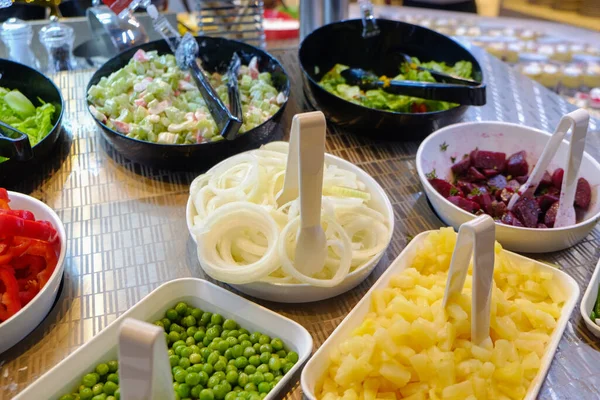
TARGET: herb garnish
(431,175)
(444,146)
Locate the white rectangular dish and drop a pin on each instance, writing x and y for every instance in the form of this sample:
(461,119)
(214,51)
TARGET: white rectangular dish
(202,294)
(589,300)
(319,363)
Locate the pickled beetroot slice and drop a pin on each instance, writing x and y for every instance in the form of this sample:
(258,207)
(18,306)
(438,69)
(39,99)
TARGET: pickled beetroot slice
(490,172)
(465,187)
(474,175)
(465,204)
(546,200)
(583,194)
(511,219)
(557,177)
(489,160)
(461,167)
(550,216)
(523,179)
(444,188)
(497,209)
(498,181)
(504,195)
(528,211)
(516,164)
(513,185)
(547,179)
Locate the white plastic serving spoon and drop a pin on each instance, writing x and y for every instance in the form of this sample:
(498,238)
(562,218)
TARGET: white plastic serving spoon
(578,120)
(476,238)
(304,179)
(143,362)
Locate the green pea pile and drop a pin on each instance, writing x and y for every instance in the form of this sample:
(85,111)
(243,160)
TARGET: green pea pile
(211,358)
(102,384)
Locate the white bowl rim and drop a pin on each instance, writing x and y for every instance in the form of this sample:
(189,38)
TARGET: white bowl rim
(425,181)
(59,264)
(388,207)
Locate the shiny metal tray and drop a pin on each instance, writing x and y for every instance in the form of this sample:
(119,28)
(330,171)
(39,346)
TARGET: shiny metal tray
(127,230)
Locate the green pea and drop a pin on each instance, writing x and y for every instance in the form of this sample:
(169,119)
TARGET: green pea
(241,362)
(118,394)
(220,365)
(98,389)
(159,323)
(198,367)
(172,315)
(173,336)
(256,347)
(199,336)
(254,396)
(255,337)
(101,396)
(213,381)
(264,387)
(257,378)
(277,379)
(110,387)
(287,367)
(182,334)
(197,313)
(192,379)
(86,393)
(250,369)
(89,380)
(231,367)
(254,360)
(243,379)
(277,344)
(113,378)
(242,394)
(202,378)
(274,364)
(207,394)
(268,377)
(190,320)
(264,339)
(266,348)
(216,319)
(195,392)
(230,324)
(212,333)
(224,333)
(176,368)
(180,376)
(220,391)
(262,368)
(191,330)
(245,344)
(292,357)
(181,309)
(213,358)
(234,333)
(113,366)
(249,352)
(250,387)
(176,328)
(102,369)
(237,351)
(166,323)
(186,352)
(228,354)
(184,362)
(67,397)
(205,319)
(231,396)
(281,353)
(184,390)
(190,369)
(208,368)
(195,358)
(190,341)
(243,336)
(264,358)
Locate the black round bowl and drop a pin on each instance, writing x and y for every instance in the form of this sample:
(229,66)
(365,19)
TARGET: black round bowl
(342,43)
(35,86)
(215,54)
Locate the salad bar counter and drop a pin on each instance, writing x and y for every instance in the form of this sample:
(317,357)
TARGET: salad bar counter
(126,234)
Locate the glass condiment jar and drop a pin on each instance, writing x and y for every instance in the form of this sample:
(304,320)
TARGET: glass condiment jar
(16,35)
(58,39)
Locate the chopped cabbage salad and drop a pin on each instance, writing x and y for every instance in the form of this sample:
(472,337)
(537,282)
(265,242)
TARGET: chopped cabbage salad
(151,99)
(333,82)
(19,112)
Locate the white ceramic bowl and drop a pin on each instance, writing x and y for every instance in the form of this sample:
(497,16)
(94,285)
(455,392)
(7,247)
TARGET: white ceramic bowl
(65,376)
(508,138)
(319,363)
(22,323)
(589,301)
(304,293)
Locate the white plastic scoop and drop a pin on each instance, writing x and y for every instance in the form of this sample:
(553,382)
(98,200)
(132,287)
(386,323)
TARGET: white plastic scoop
(144,372)
(476,238)
(304,179)
(578,120)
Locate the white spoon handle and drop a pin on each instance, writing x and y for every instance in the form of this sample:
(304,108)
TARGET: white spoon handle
(474,237)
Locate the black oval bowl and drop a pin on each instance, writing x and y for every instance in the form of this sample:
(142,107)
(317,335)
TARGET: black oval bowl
(34,85)
(342,43)
(215,54)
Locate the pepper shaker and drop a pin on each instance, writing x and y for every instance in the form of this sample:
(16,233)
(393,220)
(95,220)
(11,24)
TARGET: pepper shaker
(16,35)
(58,40)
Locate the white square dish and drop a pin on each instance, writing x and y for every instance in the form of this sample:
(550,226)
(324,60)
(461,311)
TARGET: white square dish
(202,294)
(319,363)
(589,300)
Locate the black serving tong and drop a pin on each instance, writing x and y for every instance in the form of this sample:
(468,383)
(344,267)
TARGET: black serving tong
(453,93)
(14,144)
(439,76)
(235,103)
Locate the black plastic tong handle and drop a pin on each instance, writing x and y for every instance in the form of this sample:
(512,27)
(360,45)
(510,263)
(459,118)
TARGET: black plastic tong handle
(441,76)
(16,146)
(453,93)
(235,103)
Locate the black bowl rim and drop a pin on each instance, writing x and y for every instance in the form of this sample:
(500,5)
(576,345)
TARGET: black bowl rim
(429,113)
(60,96)
(193,145)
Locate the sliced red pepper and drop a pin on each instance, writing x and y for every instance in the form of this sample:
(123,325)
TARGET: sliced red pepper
(28,289)
(4,194)
(47,252)
(18,247)
(11,225)
(28,215)
(10,303)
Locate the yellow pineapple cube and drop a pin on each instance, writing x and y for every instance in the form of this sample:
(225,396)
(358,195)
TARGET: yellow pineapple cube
(395,373)
(458,391)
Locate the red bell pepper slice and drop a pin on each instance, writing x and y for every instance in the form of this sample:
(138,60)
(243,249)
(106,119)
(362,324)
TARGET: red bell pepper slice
(10,303)
(47,252)
(28,289)
(11,225)
(4,194)
(28,215)
(17,248)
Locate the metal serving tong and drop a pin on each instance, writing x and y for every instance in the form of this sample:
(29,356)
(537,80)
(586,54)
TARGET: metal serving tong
(186,49)
(451,92)
(15,145)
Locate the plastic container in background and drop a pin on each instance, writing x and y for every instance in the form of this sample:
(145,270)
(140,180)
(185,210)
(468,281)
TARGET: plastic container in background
(58,40)
(64,377)
(319,363)
(16,35)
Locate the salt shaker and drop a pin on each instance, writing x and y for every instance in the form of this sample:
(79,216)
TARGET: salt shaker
(58,39)
(16,35)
